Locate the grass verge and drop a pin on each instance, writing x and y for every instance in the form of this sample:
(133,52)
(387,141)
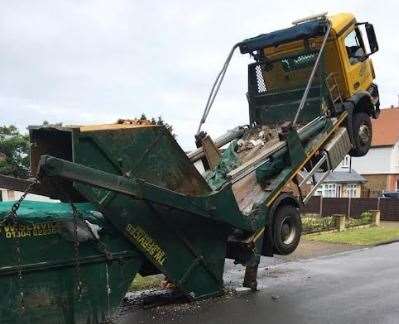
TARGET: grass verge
(149,282)
(361,236)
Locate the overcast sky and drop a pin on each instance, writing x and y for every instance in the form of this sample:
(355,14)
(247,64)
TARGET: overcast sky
(97,61)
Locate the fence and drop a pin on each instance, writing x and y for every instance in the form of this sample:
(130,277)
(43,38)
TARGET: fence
(353,207)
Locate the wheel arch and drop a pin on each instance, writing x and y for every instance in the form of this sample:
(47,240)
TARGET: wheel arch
(283,199)
(362,102)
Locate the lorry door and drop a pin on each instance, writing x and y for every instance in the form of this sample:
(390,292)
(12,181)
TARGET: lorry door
(358,71)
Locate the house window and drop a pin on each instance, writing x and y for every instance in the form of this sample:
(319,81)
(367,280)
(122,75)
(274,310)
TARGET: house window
(351,190)
(345,162)
(329,190)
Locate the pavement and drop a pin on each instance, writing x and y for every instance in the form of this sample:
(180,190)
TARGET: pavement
(357,286)
(389,224)
(312,249)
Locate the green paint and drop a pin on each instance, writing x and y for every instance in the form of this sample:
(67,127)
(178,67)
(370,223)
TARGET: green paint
(48,264)
(160,212)
(229,160)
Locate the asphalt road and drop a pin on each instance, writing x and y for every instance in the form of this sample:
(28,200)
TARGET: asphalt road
(360,286)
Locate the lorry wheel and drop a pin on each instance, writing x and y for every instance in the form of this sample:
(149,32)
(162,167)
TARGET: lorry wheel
(362,134)
(287,229)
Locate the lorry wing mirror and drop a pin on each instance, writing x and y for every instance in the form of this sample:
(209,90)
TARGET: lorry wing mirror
(369,38)
(372,38)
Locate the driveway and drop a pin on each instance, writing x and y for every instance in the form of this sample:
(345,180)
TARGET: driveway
(359,286)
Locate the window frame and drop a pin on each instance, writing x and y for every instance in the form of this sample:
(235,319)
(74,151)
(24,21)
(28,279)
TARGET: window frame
(351,190)
(359,39)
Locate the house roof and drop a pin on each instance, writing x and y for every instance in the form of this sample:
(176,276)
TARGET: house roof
(342,177)
(385,128)
(345,177)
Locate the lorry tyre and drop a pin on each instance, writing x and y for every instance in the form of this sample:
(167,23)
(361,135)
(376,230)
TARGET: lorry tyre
(362,134)
(287,229)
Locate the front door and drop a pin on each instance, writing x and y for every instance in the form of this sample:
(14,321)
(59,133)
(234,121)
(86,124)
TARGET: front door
(338,191)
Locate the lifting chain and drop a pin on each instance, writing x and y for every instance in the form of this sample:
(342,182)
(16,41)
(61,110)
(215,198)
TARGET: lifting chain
(75,214)
(107,253)
(12,218)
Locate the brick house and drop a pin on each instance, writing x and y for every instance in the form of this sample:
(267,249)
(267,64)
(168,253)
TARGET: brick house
(342,184)
(380,167)
(338,184)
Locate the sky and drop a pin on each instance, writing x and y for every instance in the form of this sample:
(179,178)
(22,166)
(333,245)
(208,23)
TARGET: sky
(85,62)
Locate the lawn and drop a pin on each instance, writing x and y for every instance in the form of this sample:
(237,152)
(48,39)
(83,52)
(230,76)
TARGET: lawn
(361,236)
(141,283)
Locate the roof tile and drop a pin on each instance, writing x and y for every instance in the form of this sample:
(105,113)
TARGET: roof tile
(386,127)
(341,177)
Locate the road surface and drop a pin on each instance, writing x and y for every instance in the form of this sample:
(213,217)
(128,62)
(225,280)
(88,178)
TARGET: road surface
(360,286)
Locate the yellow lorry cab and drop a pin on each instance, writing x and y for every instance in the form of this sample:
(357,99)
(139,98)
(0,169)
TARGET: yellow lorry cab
(343,79)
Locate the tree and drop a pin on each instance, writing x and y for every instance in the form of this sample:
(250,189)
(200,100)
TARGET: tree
(159,122)
(14,152)
(47,124)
